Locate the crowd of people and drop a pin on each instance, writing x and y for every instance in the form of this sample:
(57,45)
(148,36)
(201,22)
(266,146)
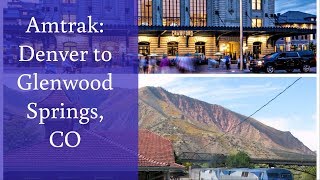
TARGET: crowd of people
(150,65)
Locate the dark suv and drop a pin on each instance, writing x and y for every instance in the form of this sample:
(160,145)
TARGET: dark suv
(289,61)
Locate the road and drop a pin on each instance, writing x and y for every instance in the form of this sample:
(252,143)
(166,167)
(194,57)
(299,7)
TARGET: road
(203,69)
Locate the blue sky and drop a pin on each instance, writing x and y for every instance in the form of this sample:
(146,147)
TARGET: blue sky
(294,111)
(308,6)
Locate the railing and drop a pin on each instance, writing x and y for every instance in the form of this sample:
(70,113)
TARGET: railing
(221,158)
(145,20)
(200,22)
(171,21)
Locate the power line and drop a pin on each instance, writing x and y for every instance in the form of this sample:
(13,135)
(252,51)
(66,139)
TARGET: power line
(247,118)
(241,122)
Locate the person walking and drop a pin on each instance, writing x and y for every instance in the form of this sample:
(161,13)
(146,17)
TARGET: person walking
(145,65)
(152,65)
(228,62)
(164,64)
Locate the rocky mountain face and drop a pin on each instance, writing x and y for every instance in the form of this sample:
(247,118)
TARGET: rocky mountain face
(195,125)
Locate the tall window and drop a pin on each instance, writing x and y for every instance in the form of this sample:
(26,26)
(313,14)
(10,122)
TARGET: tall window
(200,47)
(256,4)
(172,48)
(144,48)
(171,12)
(256,22)
(145,12)
(198,15)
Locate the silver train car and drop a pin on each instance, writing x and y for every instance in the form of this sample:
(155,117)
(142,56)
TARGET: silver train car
(240,174)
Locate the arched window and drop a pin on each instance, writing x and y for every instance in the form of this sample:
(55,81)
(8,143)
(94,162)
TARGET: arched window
(200,47)
(144,48)
(145,12)
(173,48)
(198,12)
(69,46)
(257,49)
(171,12)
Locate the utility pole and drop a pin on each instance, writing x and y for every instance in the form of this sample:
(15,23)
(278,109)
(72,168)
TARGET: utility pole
(241,37)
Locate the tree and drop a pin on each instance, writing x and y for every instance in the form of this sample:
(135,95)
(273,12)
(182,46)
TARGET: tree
(239,160)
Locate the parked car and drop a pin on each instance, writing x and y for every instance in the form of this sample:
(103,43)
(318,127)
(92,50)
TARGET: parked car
(241,174)
(289,61)
(309,56)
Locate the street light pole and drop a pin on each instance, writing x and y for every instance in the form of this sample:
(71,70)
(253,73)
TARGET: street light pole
(241,37)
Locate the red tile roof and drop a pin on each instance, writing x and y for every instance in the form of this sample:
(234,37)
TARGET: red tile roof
(155,150)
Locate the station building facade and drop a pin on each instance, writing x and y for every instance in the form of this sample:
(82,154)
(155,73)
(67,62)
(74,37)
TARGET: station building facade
(172,27)
(178,27)
(297,19)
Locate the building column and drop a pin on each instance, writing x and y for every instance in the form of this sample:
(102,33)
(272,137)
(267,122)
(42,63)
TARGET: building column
(222,8)
(215,10)
(287,43)
(246,6)
(210,13)
(185,13)
(157,12)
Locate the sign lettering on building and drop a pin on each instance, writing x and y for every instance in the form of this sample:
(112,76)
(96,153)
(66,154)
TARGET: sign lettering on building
(182,33)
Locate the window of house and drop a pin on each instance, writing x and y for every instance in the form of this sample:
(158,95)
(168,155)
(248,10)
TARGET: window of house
(144,48)
(198,12)
(173,48)
(256,22)
(145,12)
(200,47)
(256,4)
(171,12)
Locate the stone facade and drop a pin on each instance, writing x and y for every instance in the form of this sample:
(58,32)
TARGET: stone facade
(222,12)
(218,13)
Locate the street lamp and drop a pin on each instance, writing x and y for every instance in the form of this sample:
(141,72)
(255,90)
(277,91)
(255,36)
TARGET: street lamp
(241,37)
